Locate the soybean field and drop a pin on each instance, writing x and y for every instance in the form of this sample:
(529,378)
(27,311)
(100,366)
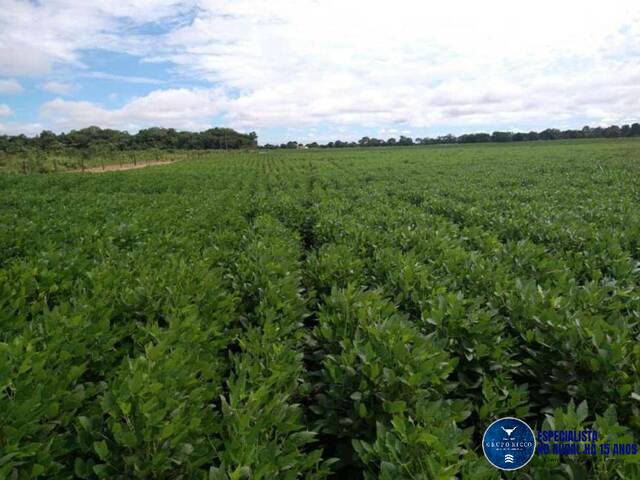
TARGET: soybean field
(344,313)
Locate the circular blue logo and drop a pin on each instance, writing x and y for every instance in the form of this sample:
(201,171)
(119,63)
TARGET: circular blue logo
(508,443)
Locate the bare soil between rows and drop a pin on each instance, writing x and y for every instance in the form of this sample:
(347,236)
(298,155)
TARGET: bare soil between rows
(118,168)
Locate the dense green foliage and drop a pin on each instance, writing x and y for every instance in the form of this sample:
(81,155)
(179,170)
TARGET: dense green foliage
(93,145)
(164,138)
(358,313)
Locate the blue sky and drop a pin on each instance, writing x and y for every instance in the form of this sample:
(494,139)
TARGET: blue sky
(317,70)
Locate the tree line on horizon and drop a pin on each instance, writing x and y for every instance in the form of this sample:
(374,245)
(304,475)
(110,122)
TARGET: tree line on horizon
(99,139)
(96,138)
(613,131)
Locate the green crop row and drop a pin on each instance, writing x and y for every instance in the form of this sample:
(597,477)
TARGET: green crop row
(343,314)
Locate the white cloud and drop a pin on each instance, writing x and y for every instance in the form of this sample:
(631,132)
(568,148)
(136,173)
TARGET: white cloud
(5,111)
(10,86)
(36,36)
(59,88)
(369,64)
(415,63)
(190,109)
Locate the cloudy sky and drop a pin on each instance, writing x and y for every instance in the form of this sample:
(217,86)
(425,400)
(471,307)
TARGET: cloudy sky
(318,69)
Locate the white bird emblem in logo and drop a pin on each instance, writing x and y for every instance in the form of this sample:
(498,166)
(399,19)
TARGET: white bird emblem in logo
(509,431)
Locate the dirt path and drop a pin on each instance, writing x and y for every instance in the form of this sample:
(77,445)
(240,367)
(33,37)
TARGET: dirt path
(117,168)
